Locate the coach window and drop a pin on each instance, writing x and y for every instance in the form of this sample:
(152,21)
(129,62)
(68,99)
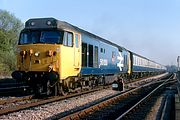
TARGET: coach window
(135,60)
(77,40)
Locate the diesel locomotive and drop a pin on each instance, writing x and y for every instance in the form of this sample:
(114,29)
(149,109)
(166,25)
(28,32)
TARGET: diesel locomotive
(55,57)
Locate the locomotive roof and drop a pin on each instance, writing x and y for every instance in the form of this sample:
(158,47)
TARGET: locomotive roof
(41,23)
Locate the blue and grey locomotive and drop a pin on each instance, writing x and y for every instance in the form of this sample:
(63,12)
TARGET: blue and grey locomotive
(55,57)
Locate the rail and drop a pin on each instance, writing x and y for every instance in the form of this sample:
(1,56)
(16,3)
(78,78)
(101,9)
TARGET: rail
(142,100)
(41,102)
(83,113)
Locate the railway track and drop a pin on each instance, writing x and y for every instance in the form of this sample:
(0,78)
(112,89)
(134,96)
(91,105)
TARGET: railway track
(14,91)
(37,102)
(140,106)
(120,106)
(16,99)
(9,87)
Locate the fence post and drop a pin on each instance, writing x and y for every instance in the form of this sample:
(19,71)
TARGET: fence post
(178,86)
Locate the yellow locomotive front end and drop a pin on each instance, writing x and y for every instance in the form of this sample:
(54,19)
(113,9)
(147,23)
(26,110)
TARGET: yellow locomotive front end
(47,55)
(38,57)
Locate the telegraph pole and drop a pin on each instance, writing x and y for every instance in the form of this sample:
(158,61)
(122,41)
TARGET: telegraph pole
(178,62)
(178,77)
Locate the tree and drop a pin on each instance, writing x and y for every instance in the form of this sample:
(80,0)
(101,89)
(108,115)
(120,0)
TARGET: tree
(10,27)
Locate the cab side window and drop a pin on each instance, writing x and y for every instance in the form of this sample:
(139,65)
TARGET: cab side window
(77,40)
(68,39)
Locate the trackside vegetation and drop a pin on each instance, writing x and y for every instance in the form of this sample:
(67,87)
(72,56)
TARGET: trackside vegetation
(10,27)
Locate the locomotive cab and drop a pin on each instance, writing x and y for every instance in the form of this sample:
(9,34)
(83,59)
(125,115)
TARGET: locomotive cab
(47,54)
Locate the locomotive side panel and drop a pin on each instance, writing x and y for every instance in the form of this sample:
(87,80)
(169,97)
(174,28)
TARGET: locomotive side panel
(100,58)
(70,54)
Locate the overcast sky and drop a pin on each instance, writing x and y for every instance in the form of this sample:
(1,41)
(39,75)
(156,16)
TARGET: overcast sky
(150,28)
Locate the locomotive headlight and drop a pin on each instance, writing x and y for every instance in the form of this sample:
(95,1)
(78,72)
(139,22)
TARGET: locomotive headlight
(32,23)
(37,54)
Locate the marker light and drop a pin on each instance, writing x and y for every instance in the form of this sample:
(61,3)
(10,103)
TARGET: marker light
(23,53)
(50,53)
(36,54)
(30,52)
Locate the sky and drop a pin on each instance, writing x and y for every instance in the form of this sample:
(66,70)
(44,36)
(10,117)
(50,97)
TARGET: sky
(150,28)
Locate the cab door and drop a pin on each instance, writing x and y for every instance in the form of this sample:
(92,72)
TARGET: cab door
(70,55)
(77,51)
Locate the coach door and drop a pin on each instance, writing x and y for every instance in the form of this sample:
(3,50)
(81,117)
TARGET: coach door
(77,51)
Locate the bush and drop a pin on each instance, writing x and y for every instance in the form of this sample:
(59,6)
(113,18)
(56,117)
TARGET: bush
(10,27)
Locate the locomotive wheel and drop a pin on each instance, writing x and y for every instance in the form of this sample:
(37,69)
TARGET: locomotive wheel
(100,81)
(72,85)
(49,90)
(52,90)
(38,89)
(64,89)
(103,81)
(55,90)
